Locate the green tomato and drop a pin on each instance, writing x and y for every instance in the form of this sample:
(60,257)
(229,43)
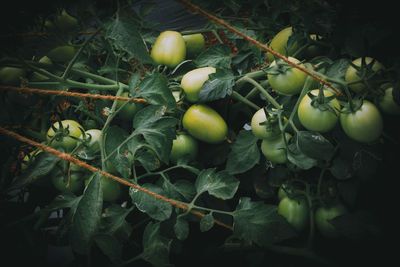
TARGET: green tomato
(65,136)
(296,212)
(205,124)
(111,189)
(192,82)
(283,190)
(63,22)
(61,54)
(183,146)
(274,150)
(94,136)
(363,125)
(279,43)
(169,49)
(320,119)
(128,112)
(72,182)
(264,131)
(40,77)
(353,75)
(195,44)
(29,158)
(289,81)
(386,102)
(11,75)
(323,215)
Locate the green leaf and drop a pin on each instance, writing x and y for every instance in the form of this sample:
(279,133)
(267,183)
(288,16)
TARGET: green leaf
(245,153)
(219,184)
(113,218)
(110,246)
(181,228)
(259,223)
(155,247)
(298,158)
(315,145)
(87,217)
(157,130)
(154,207)
(125,36)
(216,56)
(114,137)
(42,165)
(155,90)
(179,190)
(206,222)
(218,86)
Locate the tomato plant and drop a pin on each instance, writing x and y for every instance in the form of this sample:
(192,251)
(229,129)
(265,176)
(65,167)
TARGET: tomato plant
(64,134)
(365,124)
(295,211)
(169,49)
(205,124)
(286,79)
(219,145)
(323,217)
(319,113)
(192,82)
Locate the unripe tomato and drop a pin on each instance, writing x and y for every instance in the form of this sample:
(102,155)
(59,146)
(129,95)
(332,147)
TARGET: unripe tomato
(128,112)
(318,118)
(72,182)
(264,131)
(169,49)
(70,128)
(364,124)
(324,214)
(295,211)
(61,54)
(11,75)
(288,82)
(94,143)
(274,150)
(37,76)
(352,74)
(387,104)
(111,188)
(205,124)
(185,146)
(279,43)
(63,22)
(29,158)
(195,44)
(192,82)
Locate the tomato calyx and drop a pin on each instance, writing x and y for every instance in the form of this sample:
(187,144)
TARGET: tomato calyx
(279,67)
(61,132)
(352,106)
(321,102)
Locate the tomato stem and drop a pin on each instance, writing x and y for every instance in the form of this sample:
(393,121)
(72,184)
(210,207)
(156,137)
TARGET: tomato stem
(262,91)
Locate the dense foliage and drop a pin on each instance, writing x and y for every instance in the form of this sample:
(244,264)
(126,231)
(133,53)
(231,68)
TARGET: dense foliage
(283,169)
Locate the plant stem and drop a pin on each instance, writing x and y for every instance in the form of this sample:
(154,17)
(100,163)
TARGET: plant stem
(262,91)
(244,100)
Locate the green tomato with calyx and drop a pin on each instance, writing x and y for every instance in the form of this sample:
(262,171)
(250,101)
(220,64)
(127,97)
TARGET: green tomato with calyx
(195,44)
(169,49)
(192,82)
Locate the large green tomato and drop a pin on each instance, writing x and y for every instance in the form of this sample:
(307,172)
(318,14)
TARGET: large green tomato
(37,76)
(295,211)
(195,44)
(128,112)
(364,124)
(353,75)
(279,44)
(324,214)
(386,102)
(11,75)
(192,82)
(264,131)
(65,136)
(287,80)
(61,54)
(205,124)
(111,189)
(274,150)
(315,117)
(185,146)
(169,49)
